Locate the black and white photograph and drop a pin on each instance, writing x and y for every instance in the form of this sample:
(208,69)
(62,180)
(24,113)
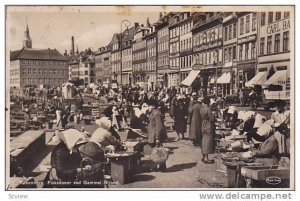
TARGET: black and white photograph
(149,97)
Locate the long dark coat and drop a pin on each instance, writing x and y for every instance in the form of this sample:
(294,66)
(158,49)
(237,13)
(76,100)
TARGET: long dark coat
(180,114)
(208,130)
(195,122)
(156,127)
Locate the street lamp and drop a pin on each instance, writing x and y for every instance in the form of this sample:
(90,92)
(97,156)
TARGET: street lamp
(126,33)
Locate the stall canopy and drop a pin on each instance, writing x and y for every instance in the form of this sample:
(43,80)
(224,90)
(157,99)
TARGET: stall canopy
(259,79)
(68,90)
(279,76)
(224,79)
(190,78)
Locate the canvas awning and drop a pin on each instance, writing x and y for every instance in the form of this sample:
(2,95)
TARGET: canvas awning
(279,76)
(224,79)
(190,78)
(258,79)
(67,84)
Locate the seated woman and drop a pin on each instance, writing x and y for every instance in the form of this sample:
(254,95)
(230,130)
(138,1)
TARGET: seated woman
(270,151)
(251,133)
(65,160)
(105,135)
(230,116)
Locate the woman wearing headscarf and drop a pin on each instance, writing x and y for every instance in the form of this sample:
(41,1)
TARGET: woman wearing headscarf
(208,131)
(275,145)
(65,160)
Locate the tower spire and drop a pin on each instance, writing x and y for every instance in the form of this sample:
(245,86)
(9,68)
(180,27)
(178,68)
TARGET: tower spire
(27,42)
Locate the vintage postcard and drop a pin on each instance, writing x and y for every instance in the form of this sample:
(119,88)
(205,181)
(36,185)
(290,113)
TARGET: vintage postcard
(150,97)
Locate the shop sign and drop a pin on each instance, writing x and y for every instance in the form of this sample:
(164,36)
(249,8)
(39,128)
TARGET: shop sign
(247,39)
(279,26)
(207,46)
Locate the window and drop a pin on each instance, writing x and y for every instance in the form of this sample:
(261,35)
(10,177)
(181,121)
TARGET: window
(262,46)
(234,30)
(270,17)
(286,14)
(226,33)
(277,43)
(24,71)
(241,53)
(254,21)
(229,54)
(247,24)
(263,19)
(29,71)
(278,15)
(242,26)
(285,41)
(246,51)
(230,32)
(269,44)
(253,50)
(234,52)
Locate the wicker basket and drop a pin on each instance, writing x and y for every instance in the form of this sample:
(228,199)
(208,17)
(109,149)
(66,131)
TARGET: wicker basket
(159,154)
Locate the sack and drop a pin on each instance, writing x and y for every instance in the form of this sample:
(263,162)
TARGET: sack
(159,154)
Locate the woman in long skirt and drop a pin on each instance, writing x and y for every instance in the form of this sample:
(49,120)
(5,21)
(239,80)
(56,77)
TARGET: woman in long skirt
(208,131)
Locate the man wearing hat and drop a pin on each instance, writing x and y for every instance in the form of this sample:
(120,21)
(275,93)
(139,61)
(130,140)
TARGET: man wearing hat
(180,115)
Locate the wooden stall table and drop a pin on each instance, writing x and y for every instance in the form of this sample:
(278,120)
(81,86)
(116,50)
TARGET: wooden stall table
(266,176)
(122,165)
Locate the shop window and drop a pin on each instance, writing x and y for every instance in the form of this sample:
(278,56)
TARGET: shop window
(277,43)
(263,19)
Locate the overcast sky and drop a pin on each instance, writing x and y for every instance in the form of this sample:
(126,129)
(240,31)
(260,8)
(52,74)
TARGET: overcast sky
(52,27)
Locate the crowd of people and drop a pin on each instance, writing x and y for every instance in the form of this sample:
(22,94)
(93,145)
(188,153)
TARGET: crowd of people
(196,118)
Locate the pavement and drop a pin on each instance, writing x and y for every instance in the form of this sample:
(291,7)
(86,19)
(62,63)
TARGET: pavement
(184,167)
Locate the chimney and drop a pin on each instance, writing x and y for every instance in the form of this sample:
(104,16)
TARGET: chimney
(142,25)
(160,15)
(136,25)
(66,53)
(72,48)
(148,22)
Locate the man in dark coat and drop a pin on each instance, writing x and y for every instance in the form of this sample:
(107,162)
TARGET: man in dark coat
(180,115)
(195,133)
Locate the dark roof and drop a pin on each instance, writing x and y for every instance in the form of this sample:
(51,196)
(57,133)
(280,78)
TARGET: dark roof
(37,54)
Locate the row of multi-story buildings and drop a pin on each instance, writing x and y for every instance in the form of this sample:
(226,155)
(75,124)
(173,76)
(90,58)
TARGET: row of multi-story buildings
(213,48)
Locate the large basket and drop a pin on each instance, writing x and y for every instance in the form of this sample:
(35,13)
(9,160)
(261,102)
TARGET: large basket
(159,154)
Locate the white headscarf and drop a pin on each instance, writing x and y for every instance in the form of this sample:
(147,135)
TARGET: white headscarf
(231,110)
(137,112)
(258,120)
(70,137)
(104,122)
